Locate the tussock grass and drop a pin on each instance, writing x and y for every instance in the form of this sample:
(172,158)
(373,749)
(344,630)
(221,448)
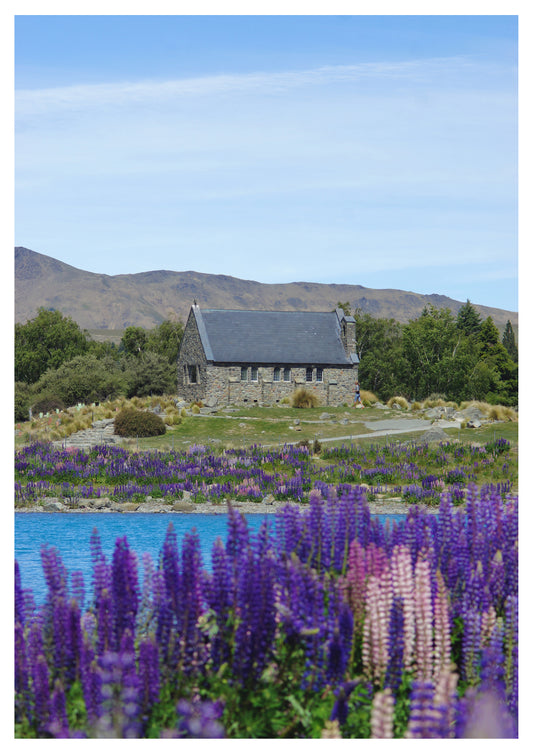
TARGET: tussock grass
(303,398)
(368,397)
(400,400)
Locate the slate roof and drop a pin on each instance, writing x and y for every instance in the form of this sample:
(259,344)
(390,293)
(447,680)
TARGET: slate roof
(266,337)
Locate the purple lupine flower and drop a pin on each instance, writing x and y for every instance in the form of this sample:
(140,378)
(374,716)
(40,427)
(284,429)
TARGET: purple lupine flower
(340,707)
(104,619)
(91,683)
(58,725)
(424,720)
(41,693)
(193,654)
(78,587)
(19,597)
(22,690)
(220,597)
(199,719)
(471,646)
(256,615)
(511,653)
(171,571)
(119,709)
(124,590)
(395,666)
(149,683)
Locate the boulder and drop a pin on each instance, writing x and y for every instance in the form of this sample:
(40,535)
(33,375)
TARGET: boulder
(182,508)
(268,500)
(54,506)
(434,434)
(473,424)
(378,405)
(434,413)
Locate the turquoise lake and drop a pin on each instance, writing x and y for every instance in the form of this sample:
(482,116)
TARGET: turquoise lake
(70,533)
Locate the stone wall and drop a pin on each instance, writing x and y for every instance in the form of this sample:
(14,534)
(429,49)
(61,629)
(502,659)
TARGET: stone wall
(225,386)
(191,354)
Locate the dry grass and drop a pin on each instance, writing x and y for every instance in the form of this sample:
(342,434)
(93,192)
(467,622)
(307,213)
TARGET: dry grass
(303,398)
(400,400)
(368,397)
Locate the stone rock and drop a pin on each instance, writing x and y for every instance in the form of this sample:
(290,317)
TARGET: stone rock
(325,416)
(186,497)
(433,413)
(296,422)
(344,421)
(472,412)
(54,506)
(269,499)
(126,507)
(210,402)
(378,405)
(396,406)
(182,508)
(473,424)
(434,434)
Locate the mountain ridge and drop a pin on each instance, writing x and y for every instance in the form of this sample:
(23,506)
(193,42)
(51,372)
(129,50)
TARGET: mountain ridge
(100,302)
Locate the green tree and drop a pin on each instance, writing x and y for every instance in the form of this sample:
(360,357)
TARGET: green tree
(150,374)
(165,339)
(468,319)
(46,342)
(508,341)
(438,355)
(379,348)
(133,341)
(84,379)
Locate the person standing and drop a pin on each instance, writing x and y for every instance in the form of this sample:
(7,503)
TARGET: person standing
(358,402)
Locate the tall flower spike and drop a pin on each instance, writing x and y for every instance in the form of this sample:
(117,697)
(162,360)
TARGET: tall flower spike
(125,590)
(382,715)
(423,620)
(403,586)
(442,658)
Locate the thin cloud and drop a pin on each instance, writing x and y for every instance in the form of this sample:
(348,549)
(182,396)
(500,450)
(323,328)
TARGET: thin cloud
(34,102)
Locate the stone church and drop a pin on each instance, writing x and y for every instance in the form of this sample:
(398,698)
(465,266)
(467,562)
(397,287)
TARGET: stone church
(237,357)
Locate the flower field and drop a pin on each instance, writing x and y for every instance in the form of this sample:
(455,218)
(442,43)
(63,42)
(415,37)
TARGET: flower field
(416,472)
(326,623)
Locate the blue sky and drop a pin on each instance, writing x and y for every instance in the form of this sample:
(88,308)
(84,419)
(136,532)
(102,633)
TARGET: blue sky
(370,150)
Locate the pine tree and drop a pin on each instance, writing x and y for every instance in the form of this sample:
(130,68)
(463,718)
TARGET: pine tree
(508,340)
(468,319)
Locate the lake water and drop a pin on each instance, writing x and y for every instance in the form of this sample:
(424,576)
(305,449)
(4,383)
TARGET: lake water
(70,533)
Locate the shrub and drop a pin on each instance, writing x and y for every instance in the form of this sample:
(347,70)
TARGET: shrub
(399,399)
(195,408)
(133,423)
(47,403)
(303,398)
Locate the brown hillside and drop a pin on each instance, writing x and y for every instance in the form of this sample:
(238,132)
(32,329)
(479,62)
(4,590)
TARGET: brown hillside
(113,302)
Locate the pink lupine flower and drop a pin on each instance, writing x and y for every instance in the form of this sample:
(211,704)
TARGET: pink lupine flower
(376,626)
(382,716)
(423,619)
(443,647)
(403,584)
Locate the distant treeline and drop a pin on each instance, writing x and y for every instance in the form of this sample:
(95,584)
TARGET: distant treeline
(59,365)
(460,358)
